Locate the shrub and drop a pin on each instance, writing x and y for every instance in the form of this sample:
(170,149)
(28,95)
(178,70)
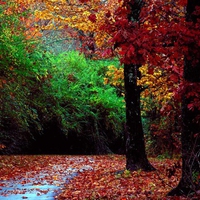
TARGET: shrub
(86,107)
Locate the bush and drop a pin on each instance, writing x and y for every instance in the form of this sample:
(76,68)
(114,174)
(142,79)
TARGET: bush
(45,97)
(22,68)
(84,105)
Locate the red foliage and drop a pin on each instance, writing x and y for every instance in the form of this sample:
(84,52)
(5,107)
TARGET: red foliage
(99,177)
(92,17)
(2,2)
(161,37)
(110,181)
(103,178)
(83,1)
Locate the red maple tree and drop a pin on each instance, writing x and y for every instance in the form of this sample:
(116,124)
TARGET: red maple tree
(164,34)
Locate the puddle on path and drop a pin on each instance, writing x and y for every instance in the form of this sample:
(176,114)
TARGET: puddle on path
(37,186)
(44,184)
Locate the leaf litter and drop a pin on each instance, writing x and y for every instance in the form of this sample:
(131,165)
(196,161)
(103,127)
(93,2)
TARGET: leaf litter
(96,177)
(110,180)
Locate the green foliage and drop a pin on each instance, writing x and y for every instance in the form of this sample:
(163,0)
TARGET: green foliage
(83,103)
(38,88)
(22,64)
(195,177)
(164,156)
(127,174)
(18,80)
(75,96)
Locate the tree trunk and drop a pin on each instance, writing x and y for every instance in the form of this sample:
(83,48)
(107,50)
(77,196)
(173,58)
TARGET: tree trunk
(136,157)
(190,136)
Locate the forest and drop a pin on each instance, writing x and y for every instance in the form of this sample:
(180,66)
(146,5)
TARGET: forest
(109,88)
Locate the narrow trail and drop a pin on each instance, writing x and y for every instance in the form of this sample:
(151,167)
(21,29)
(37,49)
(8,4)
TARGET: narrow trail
(38,177)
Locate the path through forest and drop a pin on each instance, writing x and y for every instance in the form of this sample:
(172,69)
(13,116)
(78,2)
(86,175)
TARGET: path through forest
(81,177)
(37,177)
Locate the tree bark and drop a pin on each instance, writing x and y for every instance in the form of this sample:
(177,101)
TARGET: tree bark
(136,157)
(190,136)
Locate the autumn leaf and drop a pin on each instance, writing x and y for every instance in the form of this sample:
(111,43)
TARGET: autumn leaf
(83,1)
(2,2)
(92,17)
(150,70)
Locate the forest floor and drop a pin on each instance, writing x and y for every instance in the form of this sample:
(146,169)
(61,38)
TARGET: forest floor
(85,177)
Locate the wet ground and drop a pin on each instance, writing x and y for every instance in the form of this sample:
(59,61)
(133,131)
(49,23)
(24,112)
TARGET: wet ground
(42,185)
(38,187)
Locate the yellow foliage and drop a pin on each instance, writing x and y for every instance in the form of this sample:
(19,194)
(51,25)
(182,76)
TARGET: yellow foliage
(115,76)
(74,14)
(157,84)
(45,15)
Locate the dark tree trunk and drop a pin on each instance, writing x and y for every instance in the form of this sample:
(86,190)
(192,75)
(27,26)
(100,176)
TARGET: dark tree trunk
(190,136)
(136,157)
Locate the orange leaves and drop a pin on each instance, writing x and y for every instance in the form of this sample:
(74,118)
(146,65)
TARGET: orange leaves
(153,80)
(114,76)
(158,84)
(103,177)
(109,180)
(85,18)
(20,10)
(44,15)
(32,33)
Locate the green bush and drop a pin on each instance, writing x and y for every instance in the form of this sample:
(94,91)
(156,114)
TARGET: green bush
(19,87)
(65,92)
(84,104)
(23,65)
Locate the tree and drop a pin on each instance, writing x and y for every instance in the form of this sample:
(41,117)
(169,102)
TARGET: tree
(158,108)
(91,24)
(136,157)
(22,73)
(124,29)
(190,137)
(162,40)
